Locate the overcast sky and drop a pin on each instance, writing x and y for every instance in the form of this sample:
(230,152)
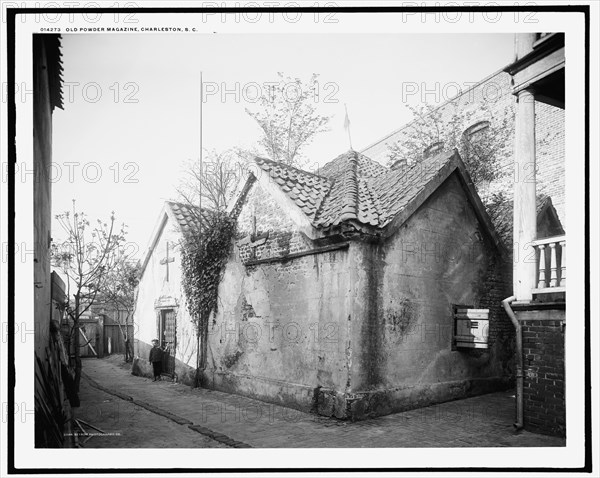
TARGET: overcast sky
(131,116)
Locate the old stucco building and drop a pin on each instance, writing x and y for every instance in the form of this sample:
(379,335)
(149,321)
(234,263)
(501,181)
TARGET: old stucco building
(160,311)
(341,291)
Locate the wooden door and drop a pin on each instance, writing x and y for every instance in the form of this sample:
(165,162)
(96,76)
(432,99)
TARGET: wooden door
(168,340)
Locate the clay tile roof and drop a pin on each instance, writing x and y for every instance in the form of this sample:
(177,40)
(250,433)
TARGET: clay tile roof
(365,167)
(307,190)
(353,187)
(187,216)
(398,188)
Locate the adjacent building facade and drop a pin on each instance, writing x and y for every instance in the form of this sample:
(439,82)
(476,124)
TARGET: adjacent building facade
(539,285)
(54,386)
(486,105)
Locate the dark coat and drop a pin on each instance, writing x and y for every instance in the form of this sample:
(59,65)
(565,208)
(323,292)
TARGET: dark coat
(155,354)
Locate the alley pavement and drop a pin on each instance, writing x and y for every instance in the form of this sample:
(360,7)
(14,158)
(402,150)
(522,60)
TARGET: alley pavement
(124,424)
(205,418)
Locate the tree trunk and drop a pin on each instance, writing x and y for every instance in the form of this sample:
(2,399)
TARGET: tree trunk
(76,344)
(124,334)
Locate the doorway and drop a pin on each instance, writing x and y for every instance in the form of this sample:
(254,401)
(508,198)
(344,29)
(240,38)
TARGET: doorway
(167,335)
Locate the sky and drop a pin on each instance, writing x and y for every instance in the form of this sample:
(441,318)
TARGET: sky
(131,117)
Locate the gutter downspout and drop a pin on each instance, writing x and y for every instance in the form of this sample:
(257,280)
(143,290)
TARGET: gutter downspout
(519,339)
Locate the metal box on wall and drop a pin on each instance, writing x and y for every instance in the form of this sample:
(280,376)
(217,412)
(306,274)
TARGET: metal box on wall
(471,327)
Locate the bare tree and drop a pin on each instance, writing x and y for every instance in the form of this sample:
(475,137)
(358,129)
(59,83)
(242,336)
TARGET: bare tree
(86,257)
(288,118)
(214,184)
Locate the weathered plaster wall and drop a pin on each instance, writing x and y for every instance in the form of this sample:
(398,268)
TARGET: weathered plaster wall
(346,333)
(403,320)
(154,291)
(281,328)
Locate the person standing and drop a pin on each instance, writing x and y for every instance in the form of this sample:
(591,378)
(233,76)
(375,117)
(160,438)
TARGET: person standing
(155,359)
(128,353)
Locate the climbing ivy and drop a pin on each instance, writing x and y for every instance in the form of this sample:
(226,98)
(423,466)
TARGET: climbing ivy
(204,253)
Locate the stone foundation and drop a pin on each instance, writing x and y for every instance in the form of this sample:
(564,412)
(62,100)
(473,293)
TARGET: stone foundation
(369,404)
(353,406)
(297,396)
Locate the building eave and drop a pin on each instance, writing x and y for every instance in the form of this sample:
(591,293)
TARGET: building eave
(543,49)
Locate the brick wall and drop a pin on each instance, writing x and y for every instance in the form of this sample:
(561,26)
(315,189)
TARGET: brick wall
(544,373)
(495,287)
(495,96)
(550,147)
(283,235)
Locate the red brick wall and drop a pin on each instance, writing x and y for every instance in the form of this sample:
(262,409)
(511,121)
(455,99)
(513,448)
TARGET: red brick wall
(544,373)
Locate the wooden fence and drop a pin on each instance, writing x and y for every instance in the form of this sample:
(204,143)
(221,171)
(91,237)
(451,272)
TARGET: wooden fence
(114,333)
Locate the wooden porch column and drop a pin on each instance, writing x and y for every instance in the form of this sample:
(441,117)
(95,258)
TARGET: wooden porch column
(524,219)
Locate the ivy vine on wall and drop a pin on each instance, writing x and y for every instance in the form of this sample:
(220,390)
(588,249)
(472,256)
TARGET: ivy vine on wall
(204,254)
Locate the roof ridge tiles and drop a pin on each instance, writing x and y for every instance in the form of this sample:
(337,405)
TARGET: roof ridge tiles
(321,205)
(260,159)
(349,209)
(375,206)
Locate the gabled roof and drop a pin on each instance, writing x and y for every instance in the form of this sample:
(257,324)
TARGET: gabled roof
(402,185)
(351,196)
(185,216)
(366,167)
(357,190)
(305,189)
(339,193)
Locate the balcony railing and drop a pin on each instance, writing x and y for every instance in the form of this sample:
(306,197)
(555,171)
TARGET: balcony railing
(551,254)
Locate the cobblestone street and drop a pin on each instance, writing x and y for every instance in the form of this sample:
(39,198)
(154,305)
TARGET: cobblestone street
(153,414)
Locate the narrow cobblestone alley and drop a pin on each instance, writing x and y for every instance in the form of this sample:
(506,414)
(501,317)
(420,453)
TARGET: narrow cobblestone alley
(157,414)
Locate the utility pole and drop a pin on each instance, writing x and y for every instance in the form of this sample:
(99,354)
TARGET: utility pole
(202,332)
